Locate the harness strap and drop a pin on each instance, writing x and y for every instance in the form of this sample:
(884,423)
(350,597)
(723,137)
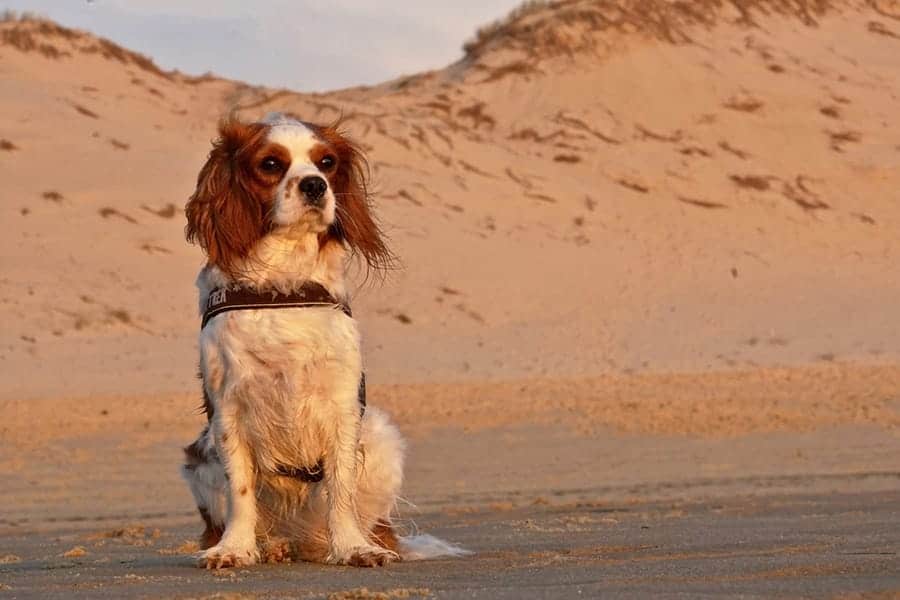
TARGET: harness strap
(310,294)
(306,474)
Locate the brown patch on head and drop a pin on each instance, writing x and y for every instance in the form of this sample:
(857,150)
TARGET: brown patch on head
(355,224)
(321,152)
(227,213)
(244,491)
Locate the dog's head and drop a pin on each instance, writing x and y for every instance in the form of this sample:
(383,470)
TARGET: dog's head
(278,175)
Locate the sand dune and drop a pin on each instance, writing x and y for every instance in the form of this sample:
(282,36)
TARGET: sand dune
(641,189)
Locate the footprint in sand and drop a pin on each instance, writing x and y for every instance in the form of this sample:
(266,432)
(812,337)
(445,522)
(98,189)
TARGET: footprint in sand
(839,139)
(701,203)
(753,182)
(743,103)
(632,185)
(166,212)
(741,154)
(154,249)
(85,111)
(106,212)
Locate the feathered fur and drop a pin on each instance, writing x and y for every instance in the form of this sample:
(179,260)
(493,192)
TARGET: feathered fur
(278,203)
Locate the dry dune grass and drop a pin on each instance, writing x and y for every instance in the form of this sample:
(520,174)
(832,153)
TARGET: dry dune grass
(577,25)
(27,32)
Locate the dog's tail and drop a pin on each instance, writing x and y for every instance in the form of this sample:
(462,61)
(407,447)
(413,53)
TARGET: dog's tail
(423,547)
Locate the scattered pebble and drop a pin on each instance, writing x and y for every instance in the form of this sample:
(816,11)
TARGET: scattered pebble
(75,552)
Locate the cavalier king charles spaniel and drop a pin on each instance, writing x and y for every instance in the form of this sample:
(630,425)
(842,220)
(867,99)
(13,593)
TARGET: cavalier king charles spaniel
(291,464)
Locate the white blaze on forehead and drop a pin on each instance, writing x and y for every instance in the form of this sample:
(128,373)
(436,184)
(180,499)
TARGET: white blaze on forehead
(296,137)
(290,206)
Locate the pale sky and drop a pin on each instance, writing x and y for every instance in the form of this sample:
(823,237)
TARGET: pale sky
(297,44)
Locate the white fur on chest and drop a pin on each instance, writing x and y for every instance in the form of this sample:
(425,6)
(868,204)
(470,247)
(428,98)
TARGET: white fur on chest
(285,375)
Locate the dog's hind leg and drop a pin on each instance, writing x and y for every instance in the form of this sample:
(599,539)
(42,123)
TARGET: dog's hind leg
(380,476)
(205,477)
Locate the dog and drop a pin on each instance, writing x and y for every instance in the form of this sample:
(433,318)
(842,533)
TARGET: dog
(292,465)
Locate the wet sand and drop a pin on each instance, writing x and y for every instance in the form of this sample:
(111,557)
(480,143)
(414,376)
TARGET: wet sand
(800,546)
(550,510)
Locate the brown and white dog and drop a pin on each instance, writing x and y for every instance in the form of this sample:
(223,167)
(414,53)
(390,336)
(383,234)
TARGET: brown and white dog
(281,203)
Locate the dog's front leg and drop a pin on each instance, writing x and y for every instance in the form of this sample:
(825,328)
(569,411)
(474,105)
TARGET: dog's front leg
(238,544)
(348,544)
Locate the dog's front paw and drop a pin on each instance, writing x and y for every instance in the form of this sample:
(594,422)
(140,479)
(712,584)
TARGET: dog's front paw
(372,556)
(223,556)
(276,551)
(363,556)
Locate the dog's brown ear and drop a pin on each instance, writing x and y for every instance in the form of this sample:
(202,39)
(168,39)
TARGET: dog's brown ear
(355,223)
(222,215)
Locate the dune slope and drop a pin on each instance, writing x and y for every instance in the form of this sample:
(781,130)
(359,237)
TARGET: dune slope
(594,188)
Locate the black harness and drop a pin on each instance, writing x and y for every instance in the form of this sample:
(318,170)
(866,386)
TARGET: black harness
(311,294)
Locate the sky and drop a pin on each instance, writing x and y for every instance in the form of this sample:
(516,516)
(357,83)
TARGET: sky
(298,44)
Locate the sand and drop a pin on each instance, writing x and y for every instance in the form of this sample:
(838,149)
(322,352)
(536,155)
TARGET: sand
(647,257)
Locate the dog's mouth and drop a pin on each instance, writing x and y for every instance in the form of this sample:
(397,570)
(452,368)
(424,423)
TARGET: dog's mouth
(293,211)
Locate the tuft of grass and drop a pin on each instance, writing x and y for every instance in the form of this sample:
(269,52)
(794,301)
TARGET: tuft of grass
(478,116)
(492,31)
(28,32)
(547,28)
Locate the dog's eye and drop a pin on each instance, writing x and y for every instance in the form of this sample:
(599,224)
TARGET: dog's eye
(327,162)
(270,164)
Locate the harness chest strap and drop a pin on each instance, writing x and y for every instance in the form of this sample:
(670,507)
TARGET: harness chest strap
(311,294)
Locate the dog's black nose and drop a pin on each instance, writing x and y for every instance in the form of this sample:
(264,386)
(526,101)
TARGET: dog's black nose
(313,187)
